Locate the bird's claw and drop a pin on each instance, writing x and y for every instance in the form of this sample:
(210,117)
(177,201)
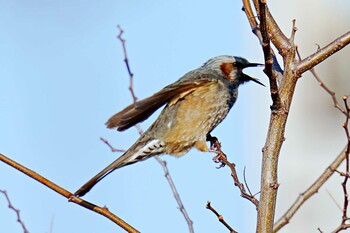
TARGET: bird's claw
(218,158)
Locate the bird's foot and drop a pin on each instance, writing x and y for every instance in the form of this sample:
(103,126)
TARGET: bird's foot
(218,157)
(215,147)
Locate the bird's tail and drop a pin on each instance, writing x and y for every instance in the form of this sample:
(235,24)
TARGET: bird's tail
(118,163)
(139,151)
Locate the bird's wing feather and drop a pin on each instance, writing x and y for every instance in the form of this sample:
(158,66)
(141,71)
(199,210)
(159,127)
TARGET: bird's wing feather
(142,109)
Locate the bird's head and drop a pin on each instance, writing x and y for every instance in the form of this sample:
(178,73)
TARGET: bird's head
(232,68)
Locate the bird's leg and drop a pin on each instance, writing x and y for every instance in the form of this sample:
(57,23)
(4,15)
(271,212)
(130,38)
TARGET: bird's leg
(215,147)
(212,141)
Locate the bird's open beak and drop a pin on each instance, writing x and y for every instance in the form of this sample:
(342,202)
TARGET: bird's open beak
(248,78)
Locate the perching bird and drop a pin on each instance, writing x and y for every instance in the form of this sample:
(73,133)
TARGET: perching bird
(195,105)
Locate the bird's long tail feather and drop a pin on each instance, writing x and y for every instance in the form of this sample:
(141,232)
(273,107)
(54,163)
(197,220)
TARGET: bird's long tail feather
(138,152)
(118,163)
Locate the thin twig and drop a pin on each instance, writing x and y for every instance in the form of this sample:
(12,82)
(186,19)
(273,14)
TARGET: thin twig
(221,157)
(100,210)
(16,211)
(126,60)
(113,149)
(220,217)
(345,218)
(140,131)
(334,200)
(175,192)
(245,182)
(324,86)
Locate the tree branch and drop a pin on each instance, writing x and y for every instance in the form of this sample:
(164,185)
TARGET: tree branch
(319,56)
(221,157)
(276,101)
(325,87)
(175,193)
(278,119)
(310,191)
(277,71)
(25,230)
(140,131)
(102,211)
(220,217)
(276,35)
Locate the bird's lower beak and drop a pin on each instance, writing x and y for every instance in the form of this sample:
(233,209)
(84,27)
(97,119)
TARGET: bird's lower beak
(249,78)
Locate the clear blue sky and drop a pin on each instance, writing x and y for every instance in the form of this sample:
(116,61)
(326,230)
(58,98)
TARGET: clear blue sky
(62,76)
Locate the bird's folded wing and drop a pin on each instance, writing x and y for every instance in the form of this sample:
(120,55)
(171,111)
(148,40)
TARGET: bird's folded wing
(141,110)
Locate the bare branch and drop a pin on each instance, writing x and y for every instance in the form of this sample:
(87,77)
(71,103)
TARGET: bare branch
(113,149)
(276,101)
(126,60)
(334,200)
(322,54)
(175,192)
(103,211)
(303,197)
(324,86)
(221,157)
(345,217)
(220,217)
(276,35)
(341,227)
(276,71)
(282,98)
(140,131)
(16,211)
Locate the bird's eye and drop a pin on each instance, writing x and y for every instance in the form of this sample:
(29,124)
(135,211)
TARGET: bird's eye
(234,63)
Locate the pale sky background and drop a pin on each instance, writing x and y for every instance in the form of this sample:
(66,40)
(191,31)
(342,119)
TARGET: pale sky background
(62,76)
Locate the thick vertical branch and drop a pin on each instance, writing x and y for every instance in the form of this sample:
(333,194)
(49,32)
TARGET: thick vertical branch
(275,137)
(276,102)
(281,97)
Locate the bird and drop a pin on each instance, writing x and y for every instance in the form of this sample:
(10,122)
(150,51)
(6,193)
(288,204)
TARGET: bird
(194,105)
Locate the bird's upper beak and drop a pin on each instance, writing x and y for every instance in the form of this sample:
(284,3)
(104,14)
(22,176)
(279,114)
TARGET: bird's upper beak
(253,65)
(249,78)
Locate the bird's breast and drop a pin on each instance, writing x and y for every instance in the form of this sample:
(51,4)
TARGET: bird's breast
(186,122)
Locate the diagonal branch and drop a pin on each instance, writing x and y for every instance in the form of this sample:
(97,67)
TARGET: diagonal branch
(221,157)
(175,193)
(140,131)
(220,217)
(322,54)
(310,191)
(325,87)
(102,211)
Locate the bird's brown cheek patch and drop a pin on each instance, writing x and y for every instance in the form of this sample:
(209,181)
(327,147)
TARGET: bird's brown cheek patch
(226,68)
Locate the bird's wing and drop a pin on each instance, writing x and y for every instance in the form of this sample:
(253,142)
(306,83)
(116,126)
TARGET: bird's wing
(142,109)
